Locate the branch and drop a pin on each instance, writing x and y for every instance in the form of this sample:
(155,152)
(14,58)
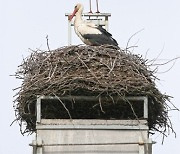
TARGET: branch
(127,46)
(48,43)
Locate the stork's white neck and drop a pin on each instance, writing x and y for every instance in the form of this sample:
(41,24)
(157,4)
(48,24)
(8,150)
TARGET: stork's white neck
(78,18)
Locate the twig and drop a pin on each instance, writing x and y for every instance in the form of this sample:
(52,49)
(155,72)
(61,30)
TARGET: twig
(168,69)
(158,55)
(63,105)
(174,59)
(87,66)
(100,104)
(132,37)
(47,40)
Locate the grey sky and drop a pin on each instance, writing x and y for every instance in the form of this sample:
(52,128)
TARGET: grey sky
(25,24)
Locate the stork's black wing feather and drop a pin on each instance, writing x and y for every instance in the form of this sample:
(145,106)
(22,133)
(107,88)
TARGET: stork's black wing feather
(102,30)
(100,39)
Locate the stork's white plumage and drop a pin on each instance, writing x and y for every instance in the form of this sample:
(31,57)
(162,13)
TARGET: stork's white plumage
(88,32)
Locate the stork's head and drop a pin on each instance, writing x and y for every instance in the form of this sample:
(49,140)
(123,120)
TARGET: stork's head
(77,8)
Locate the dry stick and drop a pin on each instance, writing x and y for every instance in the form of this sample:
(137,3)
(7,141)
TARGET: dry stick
(157,65)
(16,89)
(171,126)
(100,104)
(175,108)
(132,108)
(174,59)
(111,98)
(145,57)
(63,105)
(52,74)
(133,46)
(162,133)
(87,67)
(73,102)
(158,55)
(18,118)
(107,67)
(113,64)
(42,63)
(168,69)
(132,37)
(48,43)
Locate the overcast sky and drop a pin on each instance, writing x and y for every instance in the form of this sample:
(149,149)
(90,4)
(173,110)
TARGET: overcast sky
(25,24)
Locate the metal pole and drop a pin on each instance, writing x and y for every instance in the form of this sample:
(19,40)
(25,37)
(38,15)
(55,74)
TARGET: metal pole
(141,146)
(97,5)
(34,146)
(39,146)
(106,23)
(145,107)
(90,9)
(149,146)
(38,110)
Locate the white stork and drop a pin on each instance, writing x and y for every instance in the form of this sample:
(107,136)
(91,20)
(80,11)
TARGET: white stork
(88,32)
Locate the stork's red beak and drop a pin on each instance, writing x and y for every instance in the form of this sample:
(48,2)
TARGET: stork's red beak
(73,14)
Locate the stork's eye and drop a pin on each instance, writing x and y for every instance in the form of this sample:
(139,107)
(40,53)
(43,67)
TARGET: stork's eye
(75,7)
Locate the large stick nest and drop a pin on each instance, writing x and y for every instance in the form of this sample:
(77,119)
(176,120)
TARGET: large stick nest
(89,71)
